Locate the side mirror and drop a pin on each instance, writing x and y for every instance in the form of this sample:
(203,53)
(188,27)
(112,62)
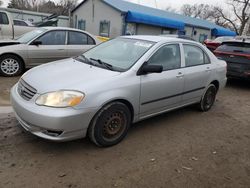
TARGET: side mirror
(36,42)
(150,69)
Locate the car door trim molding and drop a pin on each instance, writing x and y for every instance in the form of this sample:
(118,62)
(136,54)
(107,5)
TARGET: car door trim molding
(171,96)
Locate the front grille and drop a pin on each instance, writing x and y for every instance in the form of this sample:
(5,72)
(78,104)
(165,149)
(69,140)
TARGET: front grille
(25,90)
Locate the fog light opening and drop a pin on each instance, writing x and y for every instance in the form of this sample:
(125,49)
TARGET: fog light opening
(53,133)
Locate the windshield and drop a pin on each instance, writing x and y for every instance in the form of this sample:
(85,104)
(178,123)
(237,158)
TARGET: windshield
(120,53)
(27,37)
(237,47)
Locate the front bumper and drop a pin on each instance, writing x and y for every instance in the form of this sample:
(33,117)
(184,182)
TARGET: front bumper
(56,124)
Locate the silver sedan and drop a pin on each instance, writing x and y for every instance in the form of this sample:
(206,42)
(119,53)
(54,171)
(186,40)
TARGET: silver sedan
(116,83)
(42,45)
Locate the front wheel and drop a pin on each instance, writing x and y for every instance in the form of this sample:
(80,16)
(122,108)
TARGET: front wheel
(110,125)
(11,65)
(208,98)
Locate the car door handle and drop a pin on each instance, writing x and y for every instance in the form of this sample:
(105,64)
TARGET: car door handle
(208,69)
(180,75)
(60,49)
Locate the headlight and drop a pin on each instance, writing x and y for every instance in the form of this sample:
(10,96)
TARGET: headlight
(60,99)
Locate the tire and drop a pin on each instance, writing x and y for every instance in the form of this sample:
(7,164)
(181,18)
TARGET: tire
(11,65)
(208,98)
(110,125)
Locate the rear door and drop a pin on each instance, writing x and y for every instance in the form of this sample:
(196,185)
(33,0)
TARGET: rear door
(52,48)
(237,56)
(6,29)
(197,72)
(78,43)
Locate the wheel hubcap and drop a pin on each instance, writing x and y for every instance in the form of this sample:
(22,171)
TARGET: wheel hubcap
(9,66)
(210,97)
(114,126)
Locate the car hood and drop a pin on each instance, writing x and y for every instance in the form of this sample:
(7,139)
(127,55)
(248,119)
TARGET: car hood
(8,43)
(66,74)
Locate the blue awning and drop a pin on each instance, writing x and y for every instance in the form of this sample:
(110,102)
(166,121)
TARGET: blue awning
(136,17)
(220,31)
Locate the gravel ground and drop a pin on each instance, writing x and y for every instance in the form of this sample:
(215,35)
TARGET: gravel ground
(184,148)
(5,86)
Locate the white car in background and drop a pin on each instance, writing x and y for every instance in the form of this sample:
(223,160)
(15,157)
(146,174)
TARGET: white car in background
(12,28)
(43,45)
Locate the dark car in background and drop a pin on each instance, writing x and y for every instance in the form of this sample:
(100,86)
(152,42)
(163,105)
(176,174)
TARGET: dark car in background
(213,44)
(237,55)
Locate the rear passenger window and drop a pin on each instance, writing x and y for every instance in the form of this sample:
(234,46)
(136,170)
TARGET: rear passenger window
(78,38)
(4,18)
(20,23)
(194,56)
(168,56)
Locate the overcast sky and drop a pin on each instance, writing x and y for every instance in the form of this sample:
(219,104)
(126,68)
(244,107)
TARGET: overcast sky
(176,3)
(164,3)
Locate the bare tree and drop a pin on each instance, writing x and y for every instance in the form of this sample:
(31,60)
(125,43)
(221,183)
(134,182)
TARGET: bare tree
(235,17)
(202,11)
(240,16)
(48,6)
(20,4)
(66,6)
(170,9)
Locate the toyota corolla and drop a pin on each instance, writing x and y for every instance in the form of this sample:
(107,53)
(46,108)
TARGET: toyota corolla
(100,93)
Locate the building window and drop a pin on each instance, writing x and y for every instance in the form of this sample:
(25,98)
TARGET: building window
(166,31)
(75,21)
(202,38)
(182,32)
(82,24)
(104,28)
(130,29)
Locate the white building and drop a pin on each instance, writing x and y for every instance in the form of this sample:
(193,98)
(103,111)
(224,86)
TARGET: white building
(112,18)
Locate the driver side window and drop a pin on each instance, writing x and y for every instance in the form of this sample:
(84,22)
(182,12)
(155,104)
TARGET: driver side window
(53,38)
(168,56)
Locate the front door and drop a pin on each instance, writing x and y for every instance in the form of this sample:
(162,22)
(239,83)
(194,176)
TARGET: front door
(162,91)
(52,48)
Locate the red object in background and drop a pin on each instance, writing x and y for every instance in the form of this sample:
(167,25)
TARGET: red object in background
(213,44)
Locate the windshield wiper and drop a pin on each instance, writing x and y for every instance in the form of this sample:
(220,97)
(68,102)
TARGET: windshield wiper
(84,59)
(107,65)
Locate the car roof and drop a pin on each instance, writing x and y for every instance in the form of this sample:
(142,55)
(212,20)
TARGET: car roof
(157,39)
(68,29)
(63,28)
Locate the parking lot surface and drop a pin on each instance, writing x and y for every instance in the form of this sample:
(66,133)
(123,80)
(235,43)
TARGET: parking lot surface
(184,148)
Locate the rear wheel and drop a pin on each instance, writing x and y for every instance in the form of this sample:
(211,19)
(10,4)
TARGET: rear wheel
(110,125)
(208,98)
(11,65)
